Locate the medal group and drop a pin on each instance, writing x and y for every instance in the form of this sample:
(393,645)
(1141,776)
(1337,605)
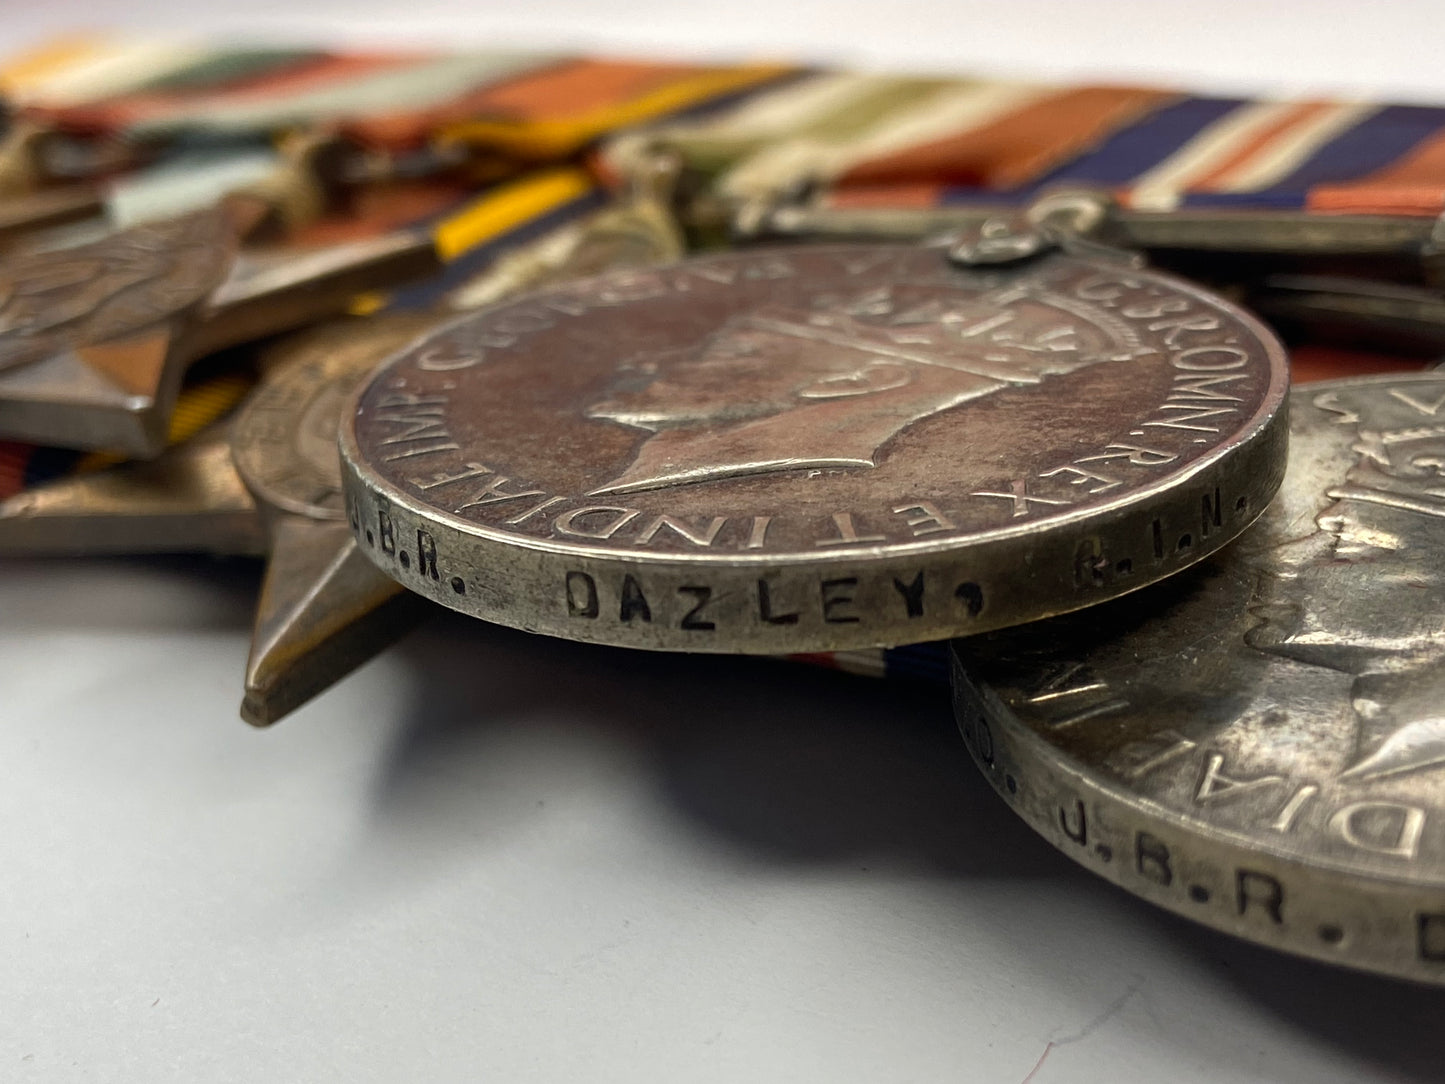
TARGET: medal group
(896,375)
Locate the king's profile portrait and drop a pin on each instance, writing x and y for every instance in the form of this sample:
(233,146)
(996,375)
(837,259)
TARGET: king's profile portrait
(783,388)
(1359,587)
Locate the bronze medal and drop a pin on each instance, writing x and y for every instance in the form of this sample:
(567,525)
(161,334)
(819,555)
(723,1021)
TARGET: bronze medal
(267,482)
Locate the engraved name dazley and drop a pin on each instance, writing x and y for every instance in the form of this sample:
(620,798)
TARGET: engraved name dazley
(859,444)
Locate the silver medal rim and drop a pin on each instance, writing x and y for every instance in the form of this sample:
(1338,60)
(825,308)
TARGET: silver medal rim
(1273,410)
(1175,819)
(1032,774)
(1030,571)
(1339,907)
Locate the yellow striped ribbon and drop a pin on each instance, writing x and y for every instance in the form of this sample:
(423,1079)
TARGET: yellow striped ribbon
(537,139)
(21,74)
(493,215)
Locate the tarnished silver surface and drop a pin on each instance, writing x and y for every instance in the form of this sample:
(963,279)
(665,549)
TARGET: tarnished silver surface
(816,449)
(1259,743)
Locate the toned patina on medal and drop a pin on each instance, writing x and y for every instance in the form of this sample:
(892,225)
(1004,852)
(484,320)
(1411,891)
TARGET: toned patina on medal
(1259,744)
(814,449)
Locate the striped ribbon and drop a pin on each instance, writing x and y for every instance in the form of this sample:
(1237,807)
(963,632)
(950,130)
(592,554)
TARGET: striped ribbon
(872,140)
(869,139)
(532,106)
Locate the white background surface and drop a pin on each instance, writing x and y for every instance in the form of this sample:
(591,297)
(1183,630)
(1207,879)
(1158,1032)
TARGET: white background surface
(490,857)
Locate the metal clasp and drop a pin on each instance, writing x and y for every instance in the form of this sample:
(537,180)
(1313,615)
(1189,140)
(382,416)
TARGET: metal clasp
(1251,241)
(1075,221)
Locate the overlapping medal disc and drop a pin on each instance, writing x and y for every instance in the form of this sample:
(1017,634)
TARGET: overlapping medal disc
(1259,743)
